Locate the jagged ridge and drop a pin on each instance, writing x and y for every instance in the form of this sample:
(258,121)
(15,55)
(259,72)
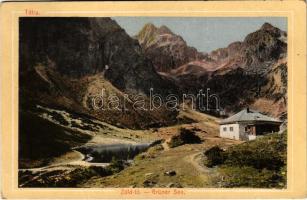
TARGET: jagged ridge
(165,49)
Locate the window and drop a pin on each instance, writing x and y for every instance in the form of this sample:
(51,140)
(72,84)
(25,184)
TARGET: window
(225,129)
(231,128)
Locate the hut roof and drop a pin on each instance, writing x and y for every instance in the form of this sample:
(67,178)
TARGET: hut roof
(248,115)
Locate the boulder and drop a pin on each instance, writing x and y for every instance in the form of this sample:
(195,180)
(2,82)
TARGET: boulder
(170,173)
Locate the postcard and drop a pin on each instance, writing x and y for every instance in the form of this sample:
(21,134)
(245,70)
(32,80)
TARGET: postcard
(140,100)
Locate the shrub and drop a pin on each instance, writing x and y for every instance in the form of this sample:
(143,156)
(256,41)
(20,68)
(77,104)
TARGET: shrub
(215,156)
(189,136)
(175,141)
(237,176)
(258,159)
(260,163)
(116,165)
(268,152)
(101,171)
(140,156)
(185,137)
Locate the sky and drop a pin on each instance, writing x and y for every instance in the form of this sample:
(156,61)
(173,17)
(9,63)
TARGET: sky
(204,33)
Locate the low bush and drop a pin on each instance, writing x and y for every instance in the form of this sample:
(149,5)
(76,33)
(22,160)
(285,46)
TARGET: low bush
(185,137)
(268,152)
(245,176)
(260,163)
(175,141)
(215,156)
(116,165)
(189,136)
(258,159)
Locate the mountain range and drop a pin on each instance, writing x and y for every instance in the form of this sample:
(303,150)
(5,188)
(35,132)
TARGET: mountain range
(65,61)
(252,72)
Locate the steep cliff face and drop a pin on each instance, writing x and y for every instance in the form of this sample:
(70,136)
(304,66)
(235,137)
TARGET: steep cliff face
(64,61)
(166,49)
(83,46)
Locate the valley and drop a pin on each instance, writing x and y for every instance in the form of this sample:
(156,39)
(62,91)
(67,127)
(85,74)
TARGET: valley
(148,166)
(70,68)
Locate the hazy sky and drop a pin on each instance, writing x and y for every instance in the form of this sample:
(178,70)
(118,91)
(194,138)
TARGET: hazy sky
(204,33)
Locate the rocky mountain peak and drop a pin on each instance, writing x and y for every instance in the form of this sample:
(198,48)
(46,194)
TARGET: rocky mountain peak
(149,28)
(165,49)
(147,34)
(266,34)
(268,27)
(265,45)
(165,30)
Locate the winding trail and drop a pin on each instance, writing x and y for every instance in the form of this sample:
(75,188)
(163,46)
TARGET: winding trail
(195,160)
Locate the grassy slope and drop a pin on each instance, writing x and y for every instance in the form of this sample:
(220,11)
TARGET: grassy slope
(260,163)
(251,164)
(148,168)
(151,167)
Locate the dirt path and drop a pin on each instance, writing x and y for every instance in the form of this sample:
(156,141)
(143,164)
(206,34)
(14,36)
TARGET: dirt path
(66,164)
(165,146)
(59,163)
(195,160)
